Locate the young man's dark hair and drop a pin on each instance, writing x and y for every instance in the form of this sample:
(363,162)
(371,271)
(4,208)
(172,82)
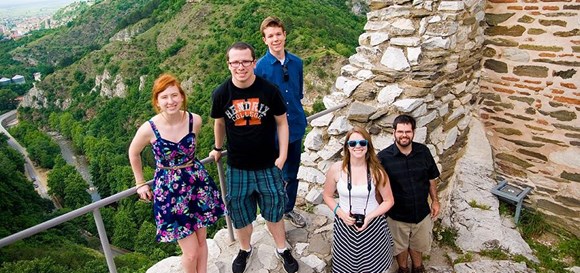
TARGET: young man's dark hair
(241,46)
(404,119)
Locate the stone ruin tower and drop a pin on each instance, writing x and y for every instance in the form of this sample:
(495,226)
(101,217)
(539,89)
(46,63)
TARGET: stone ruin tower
(417,57)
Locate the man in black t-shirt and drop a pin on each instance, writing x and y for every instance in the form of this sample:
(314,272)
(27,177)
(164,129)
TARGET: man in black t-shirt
(249,112)
(412,173)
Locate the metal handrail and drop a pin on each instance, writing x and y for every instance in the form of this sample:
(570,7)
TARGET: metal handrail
(94,207)
(75,213)
(326,111)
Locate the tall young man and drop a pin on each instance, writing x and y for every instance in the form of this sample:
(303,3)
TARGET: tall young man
(249,112)
(412,173)
(285,70)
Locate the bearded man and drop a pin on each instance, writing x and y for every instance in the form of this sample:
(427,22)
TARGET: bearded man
(412,173)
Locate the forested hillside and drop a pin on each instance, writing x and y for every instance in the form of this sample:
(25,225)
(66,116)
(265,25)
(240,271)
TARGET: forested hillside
(129,43)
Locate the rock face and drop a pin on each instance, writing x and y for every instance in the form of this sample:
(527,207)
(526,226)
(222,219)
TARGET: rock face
(310,246)
(108,87)
(473,210)
(492,266)
(530,86)
(126,34)
(34,98)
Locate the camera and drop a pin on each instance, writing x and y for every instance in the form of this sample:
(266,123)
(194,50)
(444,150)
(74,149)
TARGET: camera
(359,220)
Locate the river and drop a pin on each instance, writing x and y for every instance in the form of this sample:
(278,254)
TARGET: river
(33,173)
(80,163)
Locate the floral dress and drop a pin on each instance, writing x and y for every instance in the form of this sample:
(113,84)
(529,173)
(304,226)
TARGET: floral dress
(184,199)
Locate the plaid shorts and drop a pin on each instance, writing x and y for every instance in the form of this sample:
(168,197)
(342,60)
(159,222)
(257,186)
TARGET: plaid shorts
(247,189)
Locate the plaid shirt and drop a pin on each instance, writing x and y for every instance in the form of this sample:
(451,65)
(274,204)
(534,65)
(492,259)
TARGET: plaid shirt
(409,176)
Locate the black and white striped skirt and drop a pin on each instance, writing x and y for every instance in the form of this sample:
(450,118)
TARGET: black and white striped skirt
(369,251)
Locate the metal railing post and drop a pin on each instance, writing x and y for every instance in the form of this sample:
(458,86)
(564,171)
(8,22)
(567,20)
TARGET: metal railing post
(104,241)
(220,169)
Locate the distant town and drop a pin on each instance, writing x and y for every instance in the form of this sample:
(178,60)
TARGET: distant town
(20,19)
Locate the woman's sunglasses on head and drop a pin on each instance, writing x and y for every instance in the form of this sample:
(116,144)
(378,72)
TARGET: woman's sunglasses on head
(353,143)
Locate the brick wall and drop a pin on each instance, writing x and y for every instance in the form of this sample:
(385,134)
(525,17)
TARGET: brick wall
(530,101)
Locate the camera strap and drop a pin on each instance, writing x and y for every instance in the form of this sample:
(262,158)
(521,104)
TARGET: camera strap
(349,187)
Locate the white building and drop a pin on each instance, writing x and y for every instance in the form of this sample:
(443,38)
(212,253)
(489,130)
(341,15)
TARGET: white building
(37,76)
(18,79)
(4,81)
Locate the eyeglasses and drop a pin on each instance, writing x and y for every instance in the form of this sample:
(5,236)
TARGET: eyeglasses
(353,143)
(243,63)
(285,70)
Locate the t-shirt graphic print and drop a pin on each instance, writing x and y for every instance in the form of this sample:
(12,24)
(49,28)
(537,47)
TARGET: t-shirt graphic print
(250,116)
(245,112)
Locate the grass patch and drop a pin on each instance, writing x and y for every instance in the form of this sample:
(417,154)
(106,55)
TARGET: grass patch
(532,224)
(549,259)
(495,253)
(571,248)
(561,253)
(505,209)
(474,204)
(446,236)
(465,258)
(309,207)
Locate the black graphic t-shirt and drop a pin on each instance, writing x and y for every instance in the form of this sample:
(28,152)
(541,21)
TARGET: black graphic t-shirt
(250,124)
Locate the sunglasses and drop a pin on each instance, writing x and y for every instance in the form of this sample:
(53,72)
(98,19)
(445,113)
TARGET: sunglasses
(353,143)
(285,71)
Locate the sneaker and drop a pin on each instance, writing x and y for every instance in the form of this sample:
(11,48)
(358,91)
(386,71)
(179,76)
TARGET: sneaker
(290,264)
(241,261)
(295,219)
(420,269)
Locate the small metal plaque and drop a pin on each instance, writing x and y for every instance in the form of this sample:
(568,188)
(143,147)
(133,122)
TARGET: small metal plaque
(511,190)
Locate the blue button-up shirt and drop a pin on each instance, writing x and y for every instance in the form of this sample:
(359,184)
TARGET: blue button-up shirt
(271,69)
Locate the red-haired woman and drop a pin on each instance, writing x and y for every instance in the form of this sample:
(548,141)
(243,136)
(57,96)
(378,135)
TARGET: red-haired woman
(362,240)
(185,198)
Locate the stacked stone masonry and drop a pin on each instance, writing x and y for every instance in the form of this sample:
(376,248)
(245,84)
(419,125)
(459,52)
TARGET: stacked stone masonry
(511,63)
(421,58)
(530,102)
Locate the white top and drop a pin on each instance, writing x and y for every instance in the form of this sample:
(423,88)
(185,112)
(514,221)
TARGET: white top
(358,196)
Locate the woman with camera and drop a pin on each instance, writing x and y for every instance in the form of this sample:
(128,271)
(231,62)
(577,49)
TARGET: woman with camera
(362,240)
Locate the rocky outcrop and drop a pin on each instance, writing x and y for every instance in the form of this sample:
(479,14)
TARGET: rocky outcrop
(126,34)
(34,98)
(108,87)
(310,246)
(473,210)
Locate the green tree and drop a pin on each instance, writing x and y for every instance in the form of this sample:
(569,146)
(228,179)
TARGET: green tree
(125,229)
(7,100)
(75,191)
(66,123)
(56,179)
(145,238)
(44,265)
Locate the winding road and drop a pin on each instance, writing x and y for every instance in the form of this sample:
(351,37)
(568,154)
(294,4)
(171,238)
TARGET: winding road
(65,148)
(39,183)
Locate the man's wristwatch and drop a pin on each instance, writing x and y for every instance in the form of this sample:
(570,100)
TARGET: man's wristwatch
(217,149)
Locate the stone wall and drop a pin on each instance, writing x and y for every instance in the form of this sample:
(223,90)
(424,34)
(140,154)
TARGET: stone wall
(530,101)
(419,57)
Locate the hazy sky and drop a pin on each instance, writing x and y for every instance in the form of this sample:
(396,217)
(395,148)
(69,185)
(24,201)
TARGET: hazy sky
(32,3)
(27,8)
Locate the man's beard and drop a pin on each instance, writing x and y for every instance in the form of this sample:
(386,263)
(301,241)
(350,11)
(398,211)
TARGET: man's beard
(400,143)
